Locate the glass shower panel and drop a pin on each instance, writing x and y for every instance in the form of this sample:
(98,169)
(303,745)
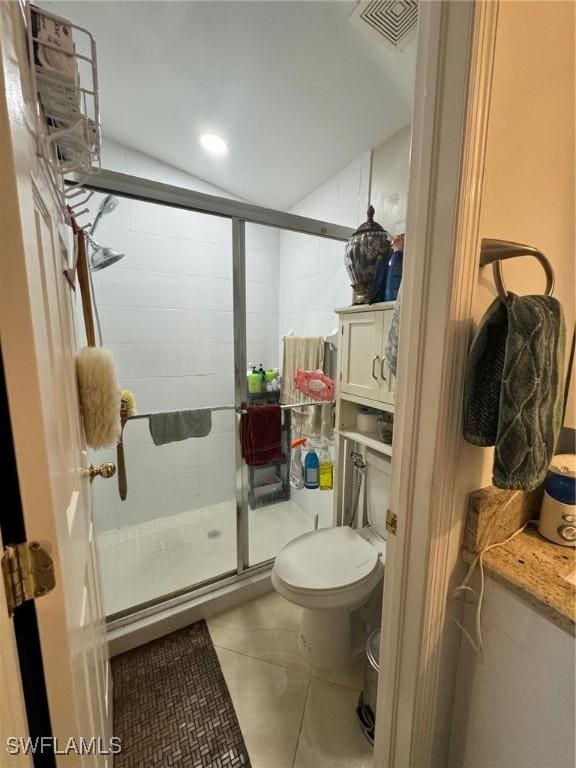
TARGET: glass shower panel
(281,269)
(166,313)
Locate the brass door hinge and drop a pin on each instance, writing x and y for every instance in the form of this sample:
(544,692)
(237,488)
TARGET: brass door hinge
(391,522)
(28,571)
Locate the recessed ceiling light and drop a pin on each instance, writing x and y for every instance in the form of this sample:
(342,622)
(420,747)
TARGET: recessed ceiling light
(213,143)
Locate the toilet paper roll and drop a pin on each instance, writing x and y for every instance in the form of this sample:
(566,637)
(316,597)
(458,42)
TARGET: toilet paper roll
(367,422)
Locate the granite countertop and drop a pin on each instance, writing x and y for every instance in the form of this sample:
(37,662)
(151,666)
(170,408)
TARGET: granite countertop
(534,568)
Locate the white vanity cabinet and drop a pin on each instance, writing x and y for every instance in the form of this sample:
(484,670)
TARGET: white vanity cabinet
(363,370)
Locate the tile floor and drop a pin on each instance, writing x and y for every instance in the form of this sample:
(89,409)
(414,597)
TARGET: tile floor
(148,560)
(291,715)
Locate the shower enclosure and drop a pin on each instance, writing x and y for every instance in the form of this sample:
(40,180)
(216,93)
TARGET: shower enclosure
(192,302)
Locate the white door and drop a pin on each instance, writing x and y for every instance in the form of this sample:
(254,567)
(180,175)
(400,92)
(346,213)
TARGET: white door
(38,349)
(12,708)
(360,365)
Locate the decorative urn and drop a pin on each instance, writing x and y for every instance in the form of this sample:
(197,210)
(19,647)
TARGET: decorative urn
(368,247)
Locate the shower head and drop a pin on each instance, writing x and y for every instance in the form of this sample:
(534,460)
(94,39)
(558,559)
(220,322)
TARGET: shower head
(102,256)
(108,204)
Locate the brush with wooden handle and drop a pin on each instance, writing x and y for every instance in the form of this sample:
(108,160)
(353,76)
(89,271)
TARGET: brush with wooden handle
(127,409)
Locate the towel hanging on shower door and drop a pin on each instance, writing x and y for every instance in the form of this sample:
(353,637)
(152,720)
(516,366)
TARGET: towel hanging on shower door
(306,352)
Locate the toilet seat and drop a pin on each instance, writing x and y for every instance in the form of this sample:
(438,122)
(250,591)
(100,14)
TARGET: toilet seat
(327,568)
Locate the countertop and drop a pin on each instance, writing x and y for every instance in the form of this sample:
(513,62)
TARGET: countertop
(534,568)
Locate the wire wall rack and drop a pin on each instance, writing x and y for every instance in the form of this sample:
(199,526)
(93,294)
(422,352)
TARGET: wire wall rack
(64,70)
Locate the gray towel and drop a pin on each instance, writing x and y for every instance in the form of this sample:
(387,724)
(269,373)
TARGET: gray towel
(514,384)
(180,425)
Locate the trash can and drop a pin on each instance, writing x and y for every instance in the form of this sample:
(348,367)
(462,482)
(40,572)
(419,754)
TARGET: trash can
(366,710)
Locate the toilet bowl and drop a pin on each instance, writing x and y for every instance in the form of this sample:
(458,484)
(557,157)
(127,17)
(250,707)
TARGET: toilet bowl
(333,571)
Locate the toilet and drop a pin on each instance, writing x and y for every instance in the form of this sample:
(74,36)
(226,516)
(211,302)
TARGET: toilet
(333,571)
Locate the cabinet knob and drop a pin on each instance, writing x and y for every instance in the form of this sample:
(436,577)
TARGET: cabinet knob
(374,359)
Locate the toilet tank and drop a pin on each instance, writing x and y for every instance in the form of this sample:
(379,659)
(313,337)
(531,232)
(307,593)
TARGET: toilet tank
(377,489)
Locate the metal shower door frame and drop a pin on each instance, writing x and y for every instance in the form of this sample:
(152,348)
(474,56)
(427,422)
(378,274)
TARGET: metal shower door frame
(239,213)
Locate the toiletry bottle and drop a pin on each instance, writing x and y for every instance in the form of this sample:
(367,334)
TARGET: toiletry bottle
(326,469)
(311,466)
(262,374)
(254,383)
(380,275)
(394,275)
(274,384)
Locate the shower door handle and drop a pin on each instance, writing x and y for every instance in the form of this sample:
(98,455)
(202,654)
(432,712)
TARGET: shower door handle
(374,359)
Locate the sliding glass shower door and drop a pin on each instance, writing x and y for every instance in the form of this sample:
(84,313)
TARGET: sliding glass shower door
(166,311)
(192,305)
(274,519)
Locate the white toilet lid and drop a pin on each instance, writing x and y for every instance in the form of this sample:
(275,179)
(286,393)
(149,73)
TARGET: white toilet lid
(330,558)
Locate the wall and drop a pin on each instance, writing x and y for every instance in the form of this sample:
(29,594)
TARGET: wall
(166,313)
(529,181)
(313,278)
(517,710)
(389,188)
(512,705)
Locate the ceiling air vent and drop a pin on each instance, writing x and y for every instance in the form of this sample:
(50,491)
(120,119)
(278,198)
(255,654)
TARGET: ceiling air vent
(394,21)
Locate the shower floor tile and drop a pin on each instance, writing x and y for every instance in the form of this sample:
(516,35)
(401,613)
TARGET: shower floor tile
(155,558)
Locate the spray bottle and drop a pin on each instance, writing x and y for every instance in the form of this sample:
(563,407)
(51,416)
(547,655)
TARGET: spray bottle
(296,466)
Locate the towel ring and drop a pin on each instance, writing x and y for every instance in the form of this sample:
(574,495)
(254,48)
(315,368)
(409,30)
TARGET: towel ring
(495,251)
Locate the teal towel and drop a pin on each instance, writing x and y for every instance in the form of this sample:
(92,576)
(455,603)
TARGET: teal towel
(514,385)
(180,425)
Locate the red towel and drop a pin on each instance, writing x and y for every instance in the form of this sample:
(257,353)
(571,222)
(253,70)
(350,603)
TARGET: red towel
(261,434)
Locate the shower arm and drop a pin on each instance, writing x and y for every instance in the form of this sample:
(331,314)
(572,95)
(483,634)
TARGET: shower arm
(96,222)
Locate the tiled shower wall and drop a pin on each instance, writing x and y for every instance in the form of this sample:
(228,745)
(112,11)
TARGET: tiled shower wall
(166,313)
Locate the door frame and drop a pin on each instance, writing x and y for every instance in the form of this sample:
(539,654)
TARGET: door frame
(420,642)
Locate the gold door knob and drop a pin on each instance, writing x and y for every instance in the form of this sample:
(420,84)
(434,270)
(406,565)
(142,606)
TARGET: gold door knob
(105,470)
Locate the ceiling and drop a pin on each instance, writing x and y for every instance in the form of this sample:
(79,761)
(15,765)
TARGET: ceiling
(295,88)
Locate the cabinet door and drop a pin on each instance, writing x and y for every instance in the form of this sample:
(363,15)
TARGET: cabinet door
(387,378)
(361,354)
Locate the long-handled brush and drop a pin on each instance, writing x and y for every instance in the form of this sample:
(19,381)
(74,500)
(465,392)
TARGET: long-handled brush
(97,381)
(127,409)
